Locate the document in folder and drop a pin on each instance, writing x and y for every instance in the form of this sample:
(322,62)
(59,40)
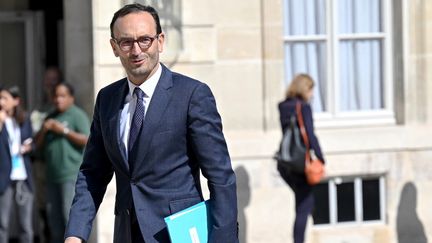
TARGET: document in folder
(190,225)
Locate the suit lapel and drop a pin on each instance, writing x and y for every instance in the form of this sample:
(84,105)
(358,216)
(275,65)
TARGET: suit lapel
(158,105)
(114,123)
(4,136)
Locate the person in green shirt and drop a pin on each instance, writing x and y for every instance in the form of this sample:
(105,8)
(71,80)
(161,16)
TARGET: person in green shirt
(62,139)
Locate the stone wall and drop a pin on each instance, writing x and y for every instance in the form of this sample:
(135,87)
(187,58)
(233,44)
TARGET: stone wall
(237,48)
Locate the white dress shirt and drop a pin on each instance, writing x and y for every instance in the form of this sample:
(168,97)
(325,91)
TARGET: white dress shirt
(128,110)
(18,171)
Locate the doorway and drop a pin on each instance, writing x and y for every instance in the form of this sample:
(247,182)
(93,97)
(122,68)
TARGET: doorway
(20,53)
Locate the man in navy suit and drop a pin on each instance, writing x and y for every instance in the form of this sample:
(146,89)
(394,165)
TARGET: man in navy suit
(180,135)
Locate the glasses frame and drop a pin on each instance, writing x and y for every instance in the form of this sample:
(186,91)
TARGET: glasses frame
(127,48)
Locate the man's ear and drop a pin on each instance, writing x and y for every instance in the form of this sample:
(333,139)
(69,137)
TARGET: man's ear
(161,41)
(113,46)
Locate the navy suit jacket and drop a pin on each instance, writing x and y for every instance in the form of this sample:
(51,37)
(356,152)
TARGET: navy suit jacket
(181,135)
(6,158)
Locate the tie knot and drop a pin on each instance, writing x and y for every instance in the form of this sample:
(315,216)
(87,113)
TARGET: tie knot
(139,93)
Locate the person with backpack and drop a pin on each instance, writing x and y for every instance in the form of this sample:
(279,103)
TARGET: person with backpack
(300,91)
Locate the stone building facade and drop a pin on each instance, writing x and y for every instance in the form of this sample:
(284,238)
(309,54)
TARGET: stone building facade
(237,47)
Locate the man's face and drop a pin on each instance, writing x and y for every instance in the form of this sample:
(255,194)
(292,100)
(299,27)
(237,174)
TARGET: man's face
(62,98)
(51,79)
(139,63)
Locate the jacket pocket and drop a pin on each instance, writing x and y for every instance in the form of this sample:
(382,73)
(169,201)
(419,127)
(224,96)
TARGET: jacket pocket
(180,204)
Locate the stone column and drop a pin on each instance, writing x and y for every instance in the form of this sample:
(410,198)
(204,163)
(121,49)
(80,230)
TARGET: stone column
(78,56)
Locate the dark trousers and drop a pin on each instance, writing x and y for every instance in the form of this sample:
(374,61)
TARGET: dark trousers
(17,196)
(59,200)
(136,235)
(304,201)
(127,228)
(304,206)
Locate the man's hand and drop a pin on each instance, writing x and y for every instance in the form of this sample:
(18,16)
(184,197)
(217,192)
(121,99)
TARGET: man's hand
(3,117)
(26,146)
(54,126)
(73,240)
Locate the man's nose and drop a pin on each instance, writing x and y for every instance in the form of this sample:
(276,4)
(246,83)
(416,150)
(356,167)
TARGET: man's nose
(136,48)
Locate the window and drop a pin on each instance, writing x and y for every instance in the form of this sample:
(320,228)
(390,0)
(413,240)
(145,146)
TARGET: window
(345,46)
(349,200)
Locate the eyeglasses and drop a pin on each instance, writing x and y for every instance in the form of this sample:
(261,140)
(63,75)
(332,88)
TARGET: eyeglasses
(144,42)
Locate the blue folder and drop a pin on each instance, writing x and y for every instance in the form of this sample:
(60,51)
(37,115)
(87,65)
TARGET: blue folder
(190,225)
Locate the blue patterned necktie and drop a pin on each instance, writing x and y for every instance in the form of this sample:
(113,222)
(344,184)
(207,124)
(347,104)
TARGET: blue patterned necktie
(137,118)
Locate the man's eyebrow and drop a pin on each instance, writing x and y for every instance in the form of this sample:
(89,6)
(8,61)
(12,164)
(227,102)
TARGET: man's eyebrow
(141,36)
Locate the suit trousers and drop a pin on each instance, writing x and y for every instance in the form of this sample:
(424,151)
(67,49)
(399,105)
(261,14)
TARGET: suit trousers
(18,197)
(136,235)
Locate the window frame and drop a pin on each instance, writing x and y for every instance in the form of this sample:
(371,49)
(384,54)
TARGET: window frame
(334,116)
(358,200)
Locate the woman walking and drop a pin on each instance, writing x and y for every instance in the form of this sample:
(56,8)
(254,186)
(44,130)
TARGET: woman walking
(300,90)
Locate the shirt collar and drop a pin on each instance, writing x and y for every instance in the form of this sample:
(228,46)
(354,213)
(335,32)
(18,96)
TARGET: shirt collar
(147,86)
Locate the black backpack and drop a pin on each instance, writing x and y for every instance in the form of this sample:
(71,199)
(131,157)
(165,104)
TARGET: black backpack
(292,151)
